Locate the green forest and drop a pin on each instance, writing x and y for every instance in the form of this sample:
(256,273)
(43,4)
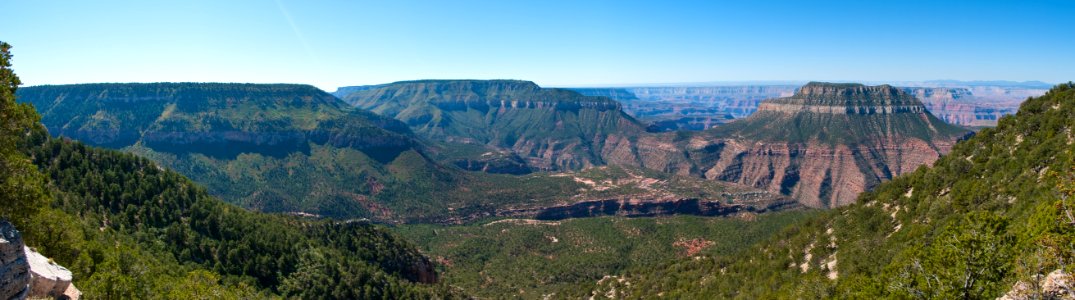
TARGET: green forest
(516,258)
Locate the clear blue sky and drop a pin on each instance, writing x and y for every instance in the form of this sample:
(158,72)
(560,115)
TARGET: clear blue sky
(557,43)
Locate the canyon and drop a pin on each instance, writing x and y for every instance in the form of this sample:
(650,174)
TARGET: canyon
(699,107)
(827,143)
(666,108)
(552,129)
(821,145)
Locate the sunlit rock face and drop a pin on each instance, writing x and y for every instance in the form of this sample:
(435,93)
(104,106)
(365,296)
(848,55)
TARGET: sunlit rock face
(825,144)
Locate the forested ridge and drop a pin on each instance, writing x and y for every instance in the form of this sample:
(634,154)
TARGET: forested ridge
(130,229)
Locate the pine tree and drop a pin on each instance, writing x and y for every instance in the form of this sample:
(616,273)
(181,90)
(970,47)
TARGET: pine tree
(21,185)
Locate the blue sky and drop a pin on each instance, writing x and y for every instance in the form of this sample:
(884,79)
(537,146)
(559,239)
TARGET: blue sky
(554,43)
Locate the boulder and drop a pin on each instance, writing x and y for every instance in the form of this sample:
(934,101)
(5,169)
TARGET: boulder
(14,269)
(48,278)
(1057,285)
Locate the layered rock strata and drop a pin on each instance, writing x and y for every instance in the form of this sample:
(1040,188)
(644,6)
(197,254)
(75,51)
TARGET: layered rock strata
(826,144)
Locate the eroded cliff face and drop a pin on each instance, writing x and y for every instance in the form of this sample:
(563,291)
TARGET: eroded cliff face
(826,144)
(816,174)
(551,129)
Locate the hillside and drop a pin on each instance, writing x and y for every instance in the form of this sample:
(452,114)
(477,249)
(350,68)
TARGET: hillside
(994,212)
(295,149)
(130,229)
(825,144)
(276,148)
(532,259)
(551,129)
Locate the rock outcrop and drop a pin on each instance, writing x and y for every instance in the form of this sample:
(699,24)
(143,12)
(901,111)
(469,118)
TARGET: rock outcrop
(1057,285)
(14,269)
(826,144)
(48,278)
(26,273)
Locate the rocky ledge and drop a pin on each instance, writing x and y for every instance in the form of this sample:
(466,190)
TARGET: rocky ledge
(26,273)
(14,270)
(846,98)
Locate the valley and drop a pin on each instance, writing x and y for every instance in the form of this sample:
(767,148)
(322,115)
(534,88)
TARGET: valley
(294,149)
(531,259)
(460,164)
(524,150)
(809,146)
(988,220)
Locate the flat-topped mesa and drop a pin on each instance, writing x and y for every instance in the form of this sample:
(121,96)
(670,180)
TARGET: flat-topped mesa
(846,98)
(826,143)
(475,94)
(550,128)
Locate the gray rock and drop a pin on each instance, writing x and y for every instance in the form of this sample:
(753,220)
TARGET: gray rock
(49,279)
(14,268)
(1057,285)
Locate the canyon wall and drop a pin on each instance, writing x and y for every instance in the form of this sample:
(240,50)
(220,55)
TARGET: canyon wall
(826,144)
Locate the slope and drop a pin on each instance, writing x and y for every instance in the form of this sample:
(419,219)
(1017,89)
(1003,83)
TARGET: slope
(129,229)
(552,129)
(533,259)
(276,148)
(298,150)
(826,144)
(994,212)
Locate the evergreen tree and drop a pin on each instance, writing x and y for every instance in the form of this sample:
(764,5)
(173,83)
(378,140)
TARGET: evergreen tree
(21,192)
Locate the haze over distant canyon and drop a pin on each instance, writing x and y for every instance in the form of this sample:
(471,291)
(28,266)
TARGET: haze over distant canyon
(705,105)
